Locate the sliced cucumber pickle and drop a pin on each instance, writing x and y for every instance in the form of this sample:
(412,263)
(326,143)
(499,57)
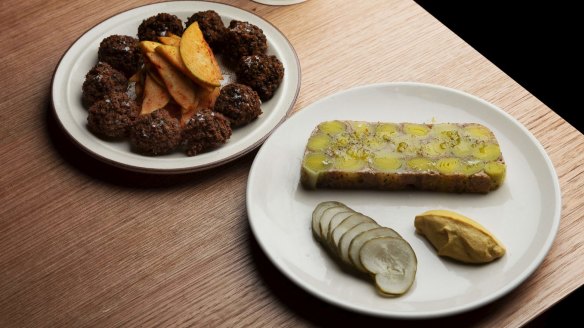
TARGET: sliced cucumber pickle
(358,241)
(361,239)
(392,262)
(317,215)
(347,238)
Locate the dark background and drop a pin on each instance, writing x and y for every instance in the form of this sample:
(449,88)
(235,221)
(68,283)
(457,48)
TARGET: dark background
(535,44)
(532,42)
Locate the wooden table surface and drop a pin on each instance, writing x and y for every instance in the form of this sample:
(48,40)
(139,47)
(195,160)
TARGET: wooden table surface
(85,244)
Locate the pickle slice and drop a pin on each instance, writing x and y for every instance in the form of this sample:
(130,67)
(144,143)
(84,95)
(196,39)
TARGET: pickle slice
(348,237)
(328,215)
(392,262)
(317,215)
(346,225)
(361,239)
(335,221)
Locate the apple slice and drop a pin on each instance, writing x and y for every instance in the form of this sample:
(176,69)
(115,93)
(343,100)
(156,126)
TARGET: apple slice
(199,58)
(169,41)
(207,97)
(392,262)
(155,96)
(178,85)
(149,46)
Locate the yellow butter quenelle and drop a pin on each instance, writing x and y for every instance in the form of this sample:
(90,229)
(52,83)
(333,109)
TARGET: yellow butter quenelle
(450,157)
(458,237)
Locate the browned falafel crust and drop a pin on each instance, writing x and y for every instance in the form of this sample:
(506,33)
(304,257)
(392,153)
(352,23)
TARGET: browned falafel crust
(212,27)
(112,116)
(122,52)
(262,73)
(157,133)
(101,80)
(243,39)
(239,103)
(204,131)
(159,25)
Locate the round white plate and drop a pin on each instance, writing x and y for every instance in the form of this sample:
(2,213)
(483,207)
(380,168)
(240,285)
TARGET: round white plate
(524,213)
(82,55)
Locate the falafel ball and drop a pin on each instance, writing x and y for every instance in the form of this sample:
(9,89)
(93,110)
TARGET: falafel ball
(262,73)
(212,27)
(159,25)
(101,80)
(112,116)
(156,133)
(205,131)
(122,52)
(239,103)
(244,39)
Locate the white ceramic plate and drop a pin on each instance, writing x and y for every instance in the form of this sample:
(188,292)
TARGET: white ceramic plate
(82,55)
(524,213)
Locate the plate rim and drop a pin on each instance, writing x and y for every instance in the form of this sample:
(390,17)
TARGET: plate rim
(510,286)
(177,170)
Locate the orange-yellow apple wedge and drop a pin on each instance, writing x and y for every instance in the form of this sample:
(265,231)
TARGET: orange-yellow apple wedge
(172,35)
(149,46)
(169,40)
(198,57)
(207,97)
(155,96)
(178,85)
(172,55)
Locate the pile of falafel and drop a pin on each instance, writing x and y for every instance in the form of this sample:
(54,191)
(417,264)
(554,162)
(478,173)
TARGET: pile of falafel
(112,93)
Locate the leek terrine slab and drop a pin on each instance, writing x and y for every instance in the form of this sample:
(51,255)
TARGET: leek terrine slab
(448,157)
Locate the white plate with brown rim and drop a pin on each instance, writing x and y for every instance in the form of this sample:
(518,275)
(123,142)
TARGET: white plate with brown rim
(82,55)
(524,213)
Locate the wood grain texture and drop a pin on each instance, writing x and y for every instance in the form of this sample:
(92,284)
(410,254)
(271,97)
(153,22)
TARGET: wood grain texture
(85,244)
